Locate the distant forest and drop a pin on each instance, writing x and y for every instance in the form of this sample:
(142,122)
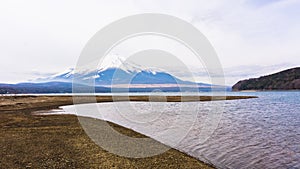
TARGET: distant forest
(284,80)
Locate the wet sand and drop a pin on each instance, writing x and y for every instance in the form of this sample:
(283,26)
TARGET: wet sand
(58,141)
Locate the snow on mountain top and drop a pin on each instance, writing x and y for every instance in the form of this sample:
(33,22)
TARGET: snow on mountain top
(127,66)
(115,63)
(66,73)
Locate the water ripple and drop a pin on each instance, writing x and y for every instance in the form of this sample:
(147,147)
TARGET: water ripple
(253,133)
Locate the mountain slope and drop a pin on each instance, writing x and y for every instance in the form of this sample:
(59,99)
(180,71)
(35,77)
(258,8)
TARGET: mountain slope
(284,80)
(48,87)
(117,76)
(65,87)
(127,77)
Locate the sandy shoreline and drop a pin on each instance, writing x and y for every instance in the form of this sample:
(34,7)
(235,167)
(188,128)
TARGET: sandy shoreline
(58,141)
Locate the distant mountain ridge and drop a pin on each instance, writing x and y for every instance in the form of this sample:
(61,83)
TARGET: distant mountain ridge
(65,87)
(118,76)
(120,72)
(285,80)
(106,82)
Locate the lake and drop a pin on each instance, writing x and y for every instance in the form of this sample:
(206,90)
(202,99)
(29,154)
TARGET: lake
(254,133)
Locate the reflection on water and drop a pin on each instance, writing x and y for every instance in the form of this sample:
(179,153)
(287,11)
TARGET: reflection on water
(253,133)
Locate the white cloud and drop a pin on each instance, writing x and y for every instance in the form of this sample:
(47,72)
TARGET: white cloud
(49,35)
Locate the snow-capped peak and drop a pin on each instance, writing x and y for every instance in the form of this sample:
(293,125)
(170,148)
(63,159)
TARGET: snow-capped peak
(66,73)
(104,72)
(125,65)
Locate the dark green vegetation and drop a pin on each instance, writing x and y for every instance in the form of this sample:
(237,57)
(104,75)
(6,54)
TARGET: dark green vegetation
(285,80)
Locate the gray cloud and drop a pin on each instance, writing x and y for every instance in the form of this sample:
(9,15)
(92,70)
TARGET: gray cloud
(48,36)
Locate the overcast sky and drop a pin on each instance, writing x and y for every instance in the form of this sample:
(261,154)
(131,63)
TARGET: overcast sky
(251,37)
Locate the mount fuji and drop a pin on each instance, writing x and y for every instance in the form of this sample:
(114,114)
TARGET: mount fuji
(119,75)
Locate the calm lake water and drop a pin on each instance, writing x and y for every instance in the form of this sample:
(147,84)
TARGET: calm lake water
(254,133)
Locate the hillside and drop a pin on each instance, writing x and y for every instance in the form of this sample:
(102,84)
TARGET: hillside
(284,80)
